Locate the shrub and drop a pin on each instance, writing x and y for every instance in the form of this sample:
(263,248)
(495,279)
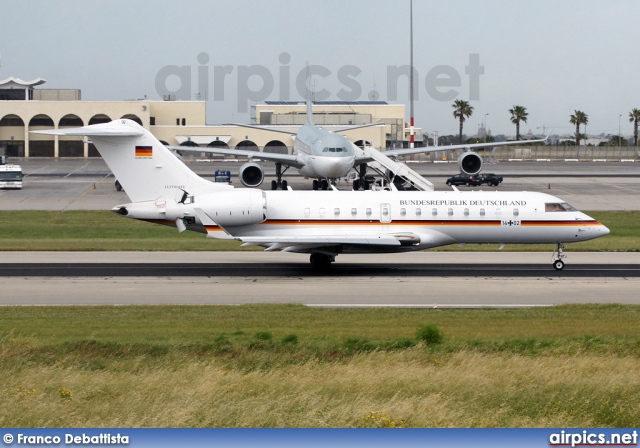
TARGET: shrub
(290,339)
(429,334)
(264,336)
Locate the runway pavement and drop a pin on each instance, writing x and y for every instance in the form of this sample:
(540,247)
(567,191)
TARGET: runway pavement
(425,279)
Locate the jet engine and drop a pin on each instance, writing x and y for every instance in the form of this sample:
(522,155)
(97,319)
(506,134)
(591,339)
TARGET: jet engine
(251,174)
(470,162)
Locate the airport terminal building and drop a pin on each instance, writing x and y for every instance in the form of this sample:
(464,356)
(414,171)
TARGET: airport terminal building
(25,108)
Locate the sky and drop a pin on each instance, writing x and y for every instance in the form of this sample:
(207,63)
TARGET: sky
(550,56)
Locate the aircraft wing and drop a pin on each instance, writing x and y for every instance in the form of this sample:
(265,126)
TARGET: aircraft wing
(310,243)
(357,126)
(285,159)
(263,128)
(469,146)
(284,241)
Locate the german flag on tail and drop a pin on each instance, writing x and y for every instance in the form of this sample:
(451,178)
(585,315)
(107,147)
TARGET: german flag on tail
(144,152)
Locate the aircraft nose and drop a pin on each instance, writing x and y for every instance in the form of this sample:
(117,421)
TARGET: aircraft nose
(605,230)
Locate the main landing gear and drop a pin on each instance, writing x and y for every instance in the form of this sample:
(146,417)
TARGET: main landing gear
(279,183)
(320,184)
(321,262)
(362,181)
(558,264)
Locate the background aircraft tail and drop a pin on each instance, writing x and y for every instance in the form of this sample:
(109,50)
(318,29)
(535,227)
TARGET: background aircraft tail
(145,168)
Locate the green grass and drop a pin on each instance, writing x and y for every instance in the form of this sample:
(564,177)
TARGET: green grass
(106,231)
(290,365)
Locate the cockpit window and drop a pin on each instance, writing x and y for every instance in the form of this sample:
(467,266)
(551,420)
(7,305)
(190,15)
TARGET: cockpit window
(558,207)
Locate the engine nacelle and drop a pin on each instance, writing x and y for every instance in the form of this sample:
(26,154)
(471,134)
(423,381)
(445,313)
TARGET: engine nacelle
(251,174)
(470,162)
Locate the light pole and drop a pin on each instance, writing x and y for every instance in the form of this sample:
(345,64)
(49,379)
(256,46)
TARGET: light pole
(486,131)
(619,130)
(411,122)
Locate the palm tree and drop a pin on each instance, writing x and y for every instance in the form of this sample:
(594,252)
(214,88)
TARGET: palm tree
(518,114)
(578,118)
(634,117)
(461,110)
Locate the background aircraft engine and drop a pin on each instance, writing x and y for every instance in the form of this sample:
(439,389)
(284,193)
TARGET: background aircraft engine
(470,162)
(251,174)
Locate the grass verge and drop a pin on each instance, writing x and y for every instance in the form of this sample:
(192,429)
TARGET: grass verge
(106,231)
(294,366)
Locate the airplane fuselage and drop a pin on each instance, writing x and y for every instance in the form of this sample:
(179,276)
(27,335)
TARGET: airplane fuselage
(435,218)
(327,155)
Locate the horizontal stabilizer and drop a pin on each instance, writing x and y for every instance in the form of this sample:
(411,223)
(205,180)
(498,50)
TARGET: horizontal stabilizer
(117,128)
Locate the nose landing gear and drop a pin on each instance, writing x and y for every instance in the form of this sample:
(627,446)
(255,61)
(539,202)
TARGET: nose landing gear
(558,264)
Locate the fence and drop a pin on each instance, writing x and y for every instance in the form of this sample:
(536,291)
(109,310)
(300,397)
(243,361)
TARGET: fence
(533,153)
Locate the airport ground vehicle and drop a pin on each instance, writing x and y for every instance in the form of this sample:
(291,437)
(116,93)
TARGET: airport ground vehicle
(489,179)
(10,175)
(470,180)
(473,180)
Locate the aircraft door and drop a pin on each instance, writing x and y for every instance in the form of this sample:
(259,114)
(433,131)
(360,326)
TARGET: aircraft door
(385,212)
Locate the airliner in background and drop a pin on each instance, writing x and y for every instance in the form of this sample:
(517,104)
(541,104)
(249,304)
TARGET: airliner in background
(326,156)
(325,224)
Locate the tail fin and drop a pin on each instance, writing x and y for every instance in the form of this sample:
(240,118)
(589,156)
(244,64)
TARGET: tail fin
(309,100)
(309,111)
(145,168)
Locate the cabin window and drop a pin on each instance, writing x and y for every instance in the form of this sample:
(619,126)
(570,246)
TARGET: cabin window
(434,212)
(498,212)
(307,212)
(516,212)
(368,212)
(322,212)
(418,212)
(466,212)
(336,211)
(403,212)
(354,211)
(450,212)
(481,212)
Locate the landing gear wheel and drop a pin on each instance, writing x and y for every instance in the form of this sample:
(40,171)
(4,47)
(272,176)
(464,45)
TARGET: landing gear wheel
(284,184)
(325,184)
(356,184)
(320,262)
(315,184)
(367,185)
(274,185)
(558,264)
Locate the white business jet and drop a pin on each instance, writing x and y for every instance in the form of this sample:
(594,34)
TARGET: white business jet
(325,224)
